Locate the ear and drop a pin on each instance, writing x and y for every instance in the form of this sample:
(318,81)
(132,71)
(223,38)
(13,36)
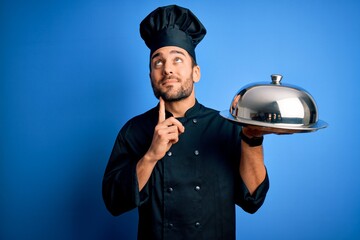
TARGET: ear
(196,73)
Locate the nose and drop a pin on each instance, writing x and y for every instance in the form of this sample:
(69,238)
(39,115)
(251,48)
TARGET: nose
(168,68)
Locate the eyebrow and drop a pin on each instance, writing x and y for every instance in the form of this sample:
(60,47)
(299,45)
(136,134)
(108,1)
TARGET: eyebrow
(171,52)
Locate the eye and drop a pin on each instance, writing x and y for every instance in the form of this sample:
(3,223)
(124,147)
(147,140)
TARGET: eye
(158,63)
(178,60)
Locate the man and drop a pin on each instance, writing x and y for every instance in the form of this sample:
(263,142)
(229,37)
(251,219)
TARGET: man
(181,164)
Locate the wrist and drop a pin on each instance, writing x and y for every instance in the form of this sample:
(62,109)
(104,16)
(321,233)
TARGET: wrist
(149,159)
(251,141)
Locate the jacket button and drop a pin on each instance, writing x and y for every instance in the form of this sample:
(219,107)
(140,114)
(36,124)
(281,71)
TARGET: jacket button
(197,224)
(194,120)
(197,188)
(171,225)
(169,154)
(196,152)
(170,189)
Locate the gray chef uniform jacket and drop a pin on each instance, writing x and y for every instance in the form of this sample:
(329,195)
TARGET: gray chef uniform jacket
(193,189)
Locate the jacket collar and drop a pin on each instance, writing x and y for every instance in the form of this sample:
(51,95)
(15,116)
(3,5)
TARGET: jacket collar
(191,112)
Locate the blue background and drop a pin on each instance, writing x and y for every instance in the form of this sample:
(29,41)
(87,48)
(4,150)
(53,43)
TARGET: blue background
(73,72)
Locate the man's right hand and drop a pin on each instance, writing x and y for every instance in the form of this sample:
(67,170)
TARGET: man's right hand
(166,134)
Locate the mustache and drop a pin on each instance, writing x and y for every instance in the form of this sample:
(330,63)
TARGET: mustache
(169,77)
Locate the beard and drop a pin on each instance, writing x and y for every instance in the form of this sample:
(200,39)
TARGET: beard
(173,93)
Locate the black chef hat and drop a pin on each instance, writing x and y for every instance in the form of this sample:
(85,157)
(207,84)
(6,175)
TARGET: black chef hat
(172,26)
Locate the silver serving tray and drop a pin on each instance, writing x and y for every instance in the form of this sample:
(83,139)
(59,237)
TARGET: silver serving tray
(273,127)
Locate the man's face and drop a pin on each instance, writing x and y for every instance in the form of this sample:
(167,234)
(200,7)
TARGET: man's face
(172,73)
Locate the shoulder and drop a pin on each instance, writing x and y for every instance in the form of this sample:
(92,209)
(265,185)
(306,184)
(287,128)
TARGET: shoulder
(212,113)
(150,115)
(213,117)
(141,123)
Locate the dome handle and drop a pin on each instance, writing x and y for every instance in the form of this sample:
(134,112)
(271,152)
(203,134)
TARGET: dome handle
(276,79)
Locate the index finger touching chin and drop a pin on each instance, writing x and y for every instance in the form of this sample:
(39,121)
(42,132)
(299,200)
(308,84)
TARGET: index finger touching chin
(161,110)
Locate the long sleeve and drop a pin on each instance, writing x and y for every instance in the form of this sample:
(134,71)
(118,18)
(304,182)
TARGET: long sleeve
(120,188)
(251,203)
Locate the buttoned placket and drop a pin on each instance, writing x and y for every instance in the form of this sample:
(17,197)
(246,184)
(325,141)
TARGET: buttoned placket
(169,189)
(197,188)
